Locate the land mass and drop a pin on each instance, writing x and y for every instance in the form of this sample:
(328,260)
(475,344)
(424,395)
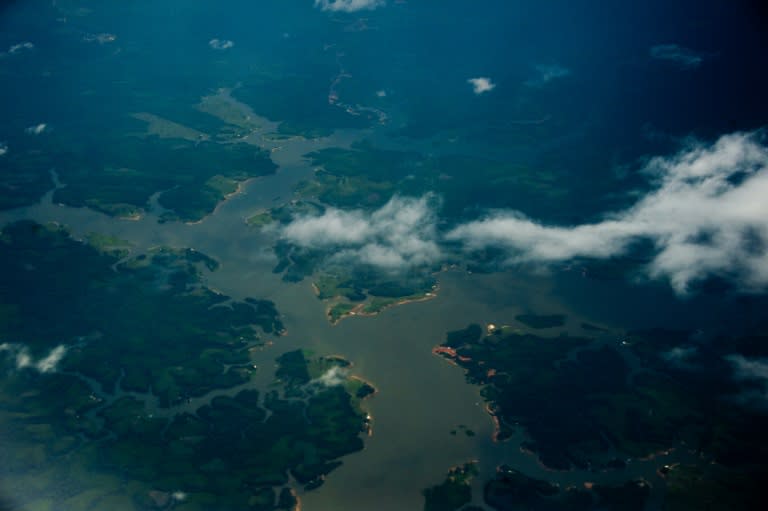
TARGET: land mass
(587,404)
(128,384)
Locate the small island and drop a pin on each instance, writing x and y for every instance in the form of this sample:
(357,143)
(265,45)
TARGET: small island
(356,290)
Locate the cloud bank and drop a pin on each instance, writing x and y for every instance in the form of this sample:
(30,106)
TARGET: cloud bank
(677,55)
(349,5)
(481,85)
(401,234)
(23,360)
(221,44)
(707,216)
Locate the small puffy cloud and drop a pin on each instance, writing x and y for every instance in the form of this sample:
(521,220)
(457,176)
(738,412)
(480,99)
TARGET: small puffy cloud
(220,44)
(348,5)
(481,84)
(707,216)
(401,234)
(334,227)
(677,55)
(381,93)
(749,368)
(3,148)
(333,377)
(23,360)
(545,73)
(680,356)
(37,129)
(51,361)
(755,371)
(102,38)
(20,47)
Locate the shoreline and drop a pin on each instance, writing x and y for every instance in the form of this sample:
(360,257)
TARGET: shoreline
(452,357)
(357,310)
(238,190)
(368,421)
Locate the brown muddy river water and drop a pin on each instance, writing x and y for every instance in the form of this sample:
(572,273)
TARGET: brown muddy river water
(421,397)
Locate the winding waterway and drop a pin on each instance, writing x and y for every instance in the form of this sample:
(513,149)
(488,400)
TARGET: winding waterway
(421,397)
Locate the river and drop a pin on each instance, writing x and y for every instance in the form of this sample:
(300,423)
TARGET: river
(421,397)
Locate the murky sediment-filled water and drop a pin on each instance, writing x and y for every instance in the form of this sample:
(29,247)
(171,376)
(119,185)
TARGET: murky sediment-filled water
(421,396)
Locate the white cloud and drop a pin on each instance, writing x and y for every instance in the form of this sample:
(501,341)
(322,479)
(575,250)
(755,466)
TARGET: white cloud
(545,73)
(3,148)
(680,356)
(101,38)
(751,370)
(681,57)
(400,234)
(51,361)
(481,84)
(24,360)
(707,216)
(37,129)
(334,227)
(332,377)
(18,48)
(221,44)
(381,93)
(348,5)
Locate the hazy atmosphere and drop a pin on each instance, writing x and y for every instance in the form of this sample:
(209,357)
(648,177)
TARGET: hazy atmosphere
(337,255)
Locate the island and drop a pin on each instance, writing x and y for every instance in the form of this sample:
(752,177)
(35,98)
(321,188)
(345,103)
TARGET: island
(352,290)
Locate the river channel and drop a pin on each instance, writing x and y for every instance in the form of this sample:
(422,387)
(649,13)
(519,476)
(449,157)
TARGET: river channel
(421,397)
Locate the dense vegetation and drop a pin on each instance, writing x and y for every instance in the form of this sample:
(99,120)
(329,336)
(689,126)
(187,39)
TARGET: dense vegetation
(98,366)
(586,404)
